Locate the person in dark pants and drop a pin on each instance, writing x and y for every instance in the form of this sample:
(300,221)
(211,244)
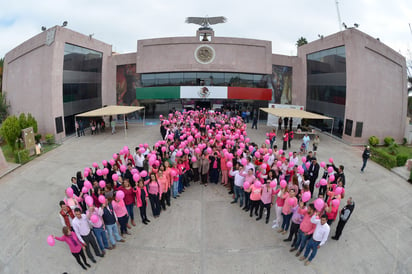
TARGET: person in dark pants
(280,123)
(313,174)
(255,120)
(285,139)
(141,201)
(365,156)
(214,168)
(84,234)
(344,216)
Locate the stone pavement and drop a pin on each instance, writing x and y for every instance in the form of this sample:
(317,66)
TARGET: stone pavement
(201,232)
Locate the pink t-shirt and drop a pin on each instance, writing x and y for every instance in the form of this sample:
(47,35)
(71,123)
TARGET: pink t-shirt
(267,194)
(256,193)
(119,208)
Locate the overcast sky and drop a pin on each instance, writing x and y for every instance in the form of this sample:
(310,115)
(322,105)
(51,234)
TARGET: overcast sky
(122,23)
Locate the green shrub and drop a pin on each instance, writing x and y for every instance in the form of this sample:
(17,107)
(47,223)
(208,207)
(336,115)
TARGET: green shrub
(393,149)
(383,158)
(37,137)
(373,141)
(388,141)
(49,138)
(21,156)
(404,141)
(10,130)
(401,159)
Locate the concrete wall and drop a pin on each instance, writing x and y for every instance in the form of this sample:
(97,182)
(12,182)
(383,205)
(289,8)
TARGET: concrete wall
(177,54)
(376,92)
(33,75)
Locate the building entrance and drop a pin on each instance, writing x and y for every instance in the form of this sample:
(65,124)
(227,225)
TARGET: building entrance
(203,104)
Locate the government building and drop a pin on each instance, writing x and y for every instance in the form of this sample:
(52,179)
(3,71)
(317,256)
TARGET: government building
(349,76)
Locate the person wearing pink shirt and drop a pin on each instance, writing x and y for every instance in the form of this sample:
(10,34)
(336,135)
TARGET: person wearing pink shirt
(163,182)
(155,194)
(266,200)
(224,169)
(98,229)
(255,195)
(120,210)
(141,200)
(166,172)
(306,228)
(76,247)
(290,202)
(129,199)
(280,201)
(250,178)
(175,180)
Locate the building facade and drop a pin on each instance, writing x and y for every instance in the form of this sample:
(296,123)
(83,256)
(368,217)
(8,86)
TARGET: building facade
(349,76)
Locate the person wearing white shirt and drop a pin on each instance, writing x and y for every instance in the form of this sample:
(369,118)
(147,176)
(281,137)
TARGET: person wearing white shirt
(294,159)
(82,229)
(239,180)
(319,238)
(138,159)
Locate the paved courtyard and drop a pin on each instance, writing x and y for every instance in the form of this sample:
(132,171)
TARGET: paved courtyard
(201,232)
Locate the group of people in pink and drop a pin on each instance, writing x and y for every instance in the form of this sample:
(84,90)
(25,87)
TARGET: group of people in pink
(207,147)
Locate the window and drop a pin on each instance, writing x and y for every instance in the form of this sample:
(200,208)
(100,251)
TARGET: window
(348,127)
(358,130)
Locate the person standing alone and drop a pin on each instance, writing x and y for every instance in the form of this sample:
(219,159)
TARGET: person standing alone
(365,156)
(345,214)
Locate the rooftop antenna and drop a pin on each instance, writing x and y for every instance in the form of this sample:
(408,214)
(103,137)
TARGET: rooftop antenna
(337,10)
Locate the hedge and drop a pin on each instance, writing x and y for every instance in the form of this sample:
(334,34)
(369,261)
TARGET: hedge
(401,159)
(383,158)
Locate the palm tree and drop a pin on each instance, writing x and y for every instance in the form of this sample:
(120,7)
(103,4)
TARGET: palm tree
(301,41)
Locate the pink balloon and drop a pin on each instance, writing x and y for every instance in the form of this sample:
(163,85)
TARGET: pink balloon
(172,148)
(273,184)
(88,184)
(102,184)
(85,189)
(69,192)
(114,156)
(142,150)
(126,149)
(247,140)
(134,171)
(102,199)
(89,200)
(246,185)
(99,172)
(291,164)
(50,240)
(105,171)
(291,202)
(257,154)
(267,141)
(322,164)
(104,162)
(280,151)
(331,160)
(323,182)
(257,184)
(301,170)
(279,163)
(338,190)
(303,159)
(331,178)
(251,148)
(123,168)
(290,154)
(264,166)
(306,196)
(112,162)
(115,177)
(94,219)
(319,204)
(283,184)
(229,164)
(243,161)
(163,149)
(194,159)
(197,150)
(86,173)
(242,145)
(187,151)
(173,173)
(145,145)
(119,195)
(330,169)
(136,177)
(179,153)
(95,164)
(307,164)
(335,202)
(143,174)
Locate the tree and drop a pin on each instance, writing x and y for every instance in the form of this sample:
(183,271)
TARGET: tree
(301,41)
(11,131)
(4,106)
(31,121)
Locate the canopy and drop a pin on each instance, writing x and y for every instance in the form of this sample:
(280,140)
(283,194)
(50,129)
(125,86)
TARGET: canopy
(110,110)
(295,113)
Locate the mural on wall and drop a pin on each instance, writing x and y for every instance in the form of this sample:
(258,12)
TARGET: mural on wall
(127,80)
(281,84)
